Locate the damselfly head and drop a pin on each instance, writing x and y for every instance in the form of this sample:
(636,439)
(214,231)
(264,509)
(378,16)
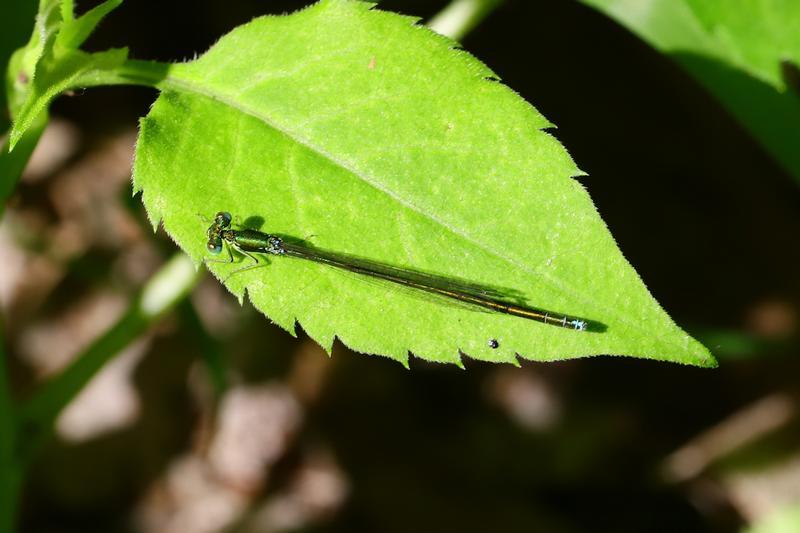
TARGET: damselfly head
(223,219)
(215,233)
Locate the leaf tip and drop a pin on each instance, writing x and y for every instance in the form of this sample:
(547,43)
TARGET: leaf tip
(700,356)
(13,138)
(708,361)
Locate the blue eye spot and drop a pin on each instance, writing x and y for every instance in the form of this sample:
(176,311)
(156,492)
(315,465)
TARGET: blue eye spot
(580,325)
(214,247)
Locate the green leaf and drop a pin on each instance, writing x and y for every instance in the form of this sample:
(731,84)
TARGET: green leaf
(51,63)
(65,73)
(12,164)
(75,32)
(67,10)
(372,136)
(746,53)
(48,22)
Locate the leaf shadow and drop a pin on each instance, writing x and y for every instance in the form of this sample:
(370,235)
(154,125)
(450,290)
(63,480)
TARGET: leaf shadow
(460,290)
(254,222)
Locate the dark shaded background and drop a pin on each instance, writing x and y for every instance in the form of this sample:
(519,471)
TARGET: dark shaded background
(708,220)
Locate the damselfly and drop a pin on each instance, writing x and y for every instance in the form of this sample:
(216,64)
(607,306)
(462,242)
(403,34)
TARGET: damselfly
(249,242)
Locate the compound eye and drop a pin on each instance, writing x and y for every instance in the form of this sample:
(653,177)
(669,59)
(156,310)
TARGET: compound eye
(223,218)
(214,246)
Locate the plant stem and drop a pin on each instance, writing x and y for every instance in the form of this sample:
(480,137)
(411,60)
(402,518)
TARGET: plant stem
(163,291)
(13,163)
(462,16)
(210,349)
(132,72)
(10,467)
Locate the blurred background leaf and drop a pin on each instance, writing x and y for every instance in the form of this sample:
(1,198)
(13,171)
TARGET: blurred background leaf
(747,53)
(784,520)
